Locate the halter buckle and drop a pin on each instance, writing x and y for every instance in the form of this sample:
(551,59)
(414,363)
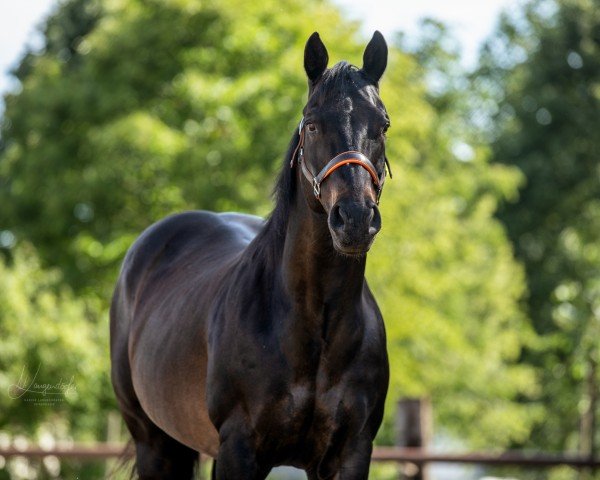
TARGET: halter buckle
(316,188)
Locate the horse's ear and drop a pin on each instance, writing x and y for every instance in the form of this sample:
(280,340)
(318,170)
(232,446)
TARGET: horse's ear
(375,57)
(315,57)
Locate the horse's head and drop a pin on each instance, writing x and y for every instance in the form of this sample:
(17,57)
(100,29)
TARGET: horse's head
(342,143)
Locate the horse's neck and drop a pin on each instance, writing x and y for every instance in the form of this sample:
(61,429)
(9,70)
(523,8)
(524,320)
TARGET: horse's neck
(319,281)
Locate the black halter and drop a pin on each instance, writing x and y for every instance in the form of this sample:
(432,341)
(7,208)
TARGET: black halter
(344,158)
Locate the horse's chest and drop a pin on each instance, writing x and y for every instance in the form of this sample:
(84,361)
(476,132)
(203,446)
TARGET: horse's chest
(297,407)
(310,389)
(305,417)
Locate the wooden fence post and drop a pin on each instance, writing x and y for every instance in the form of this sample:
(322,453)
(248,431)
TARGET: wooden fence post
(414,430)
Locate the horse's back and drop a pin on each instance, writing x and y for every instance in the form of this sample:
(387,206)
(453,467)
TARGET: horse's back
(156,309)
(198,237)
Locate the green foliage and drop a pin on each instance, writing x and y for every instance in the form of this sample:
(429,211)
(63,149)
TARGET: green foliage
(444,274)
(543,70)
(156,109)
(48,336)
(53,359)
(139,109)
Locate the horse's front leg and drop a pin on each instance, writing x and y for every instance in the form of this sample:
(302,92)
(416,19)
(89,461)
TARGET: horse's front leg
(350,463)
(355,460)
(237,454)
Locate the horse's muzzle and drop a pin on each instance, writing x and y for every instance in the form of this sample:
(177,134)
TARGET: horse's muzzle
(353,226)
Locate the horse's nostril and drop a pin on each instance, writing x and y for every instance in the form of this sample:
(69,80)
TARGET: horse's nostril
(374,221)
(344,215)
(337,217)
(371,215)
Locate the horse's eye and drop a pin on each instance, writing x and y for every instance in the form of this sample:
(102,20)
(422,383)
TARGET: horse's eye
(311,127)
(385,128)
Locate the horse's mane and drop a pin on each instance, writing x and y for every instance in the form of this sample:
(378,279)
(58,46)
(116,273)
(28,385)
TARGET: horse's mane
(284,193)
(341,78)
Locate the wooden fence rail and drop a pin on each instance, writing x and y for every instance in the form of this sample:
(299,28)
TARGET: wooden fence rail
(413,432)
(514,458)
(103,451)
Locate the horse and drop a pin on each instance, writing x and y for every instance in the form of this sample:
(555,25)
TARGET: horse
(258,342)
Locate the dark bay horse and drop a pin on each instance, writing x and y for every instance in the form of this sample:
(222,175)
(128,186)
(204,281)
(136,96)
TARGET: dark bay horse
(259,342)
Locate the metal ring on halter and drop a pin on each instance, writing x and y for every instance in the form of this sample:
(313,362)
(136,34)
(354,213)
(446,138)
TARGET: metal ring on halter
(316,188)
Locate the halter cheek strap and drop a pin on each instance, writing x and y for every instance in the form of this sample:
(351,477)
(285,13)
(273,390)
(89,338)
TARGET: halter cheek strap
(345,158)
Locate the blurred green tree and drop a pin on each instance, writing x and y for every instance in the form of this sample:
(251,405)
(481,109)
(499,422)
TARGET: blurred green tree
(442,268)
(541,72)
(53,377)
(137,109)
